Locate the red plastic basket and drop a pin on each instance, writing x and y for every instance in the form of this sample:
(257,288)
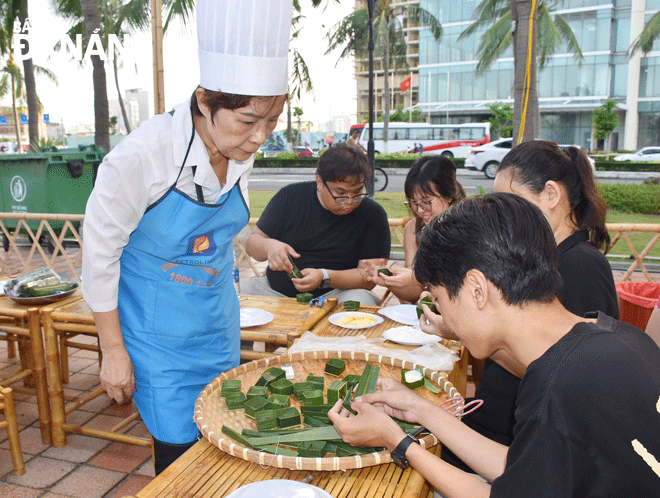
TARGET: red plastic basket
(636,301)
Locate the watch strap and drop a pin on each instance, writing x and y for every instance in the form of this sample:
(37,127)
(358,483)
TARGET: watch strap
(399,453)
(325,283)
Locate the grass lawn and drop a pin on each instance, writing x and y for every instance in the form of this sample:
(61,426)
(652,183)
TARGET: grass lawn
(392,202)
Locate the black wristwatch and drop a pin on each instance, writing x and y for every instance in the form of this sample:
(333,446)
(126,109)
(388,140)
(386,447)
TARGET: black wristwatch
(399,453)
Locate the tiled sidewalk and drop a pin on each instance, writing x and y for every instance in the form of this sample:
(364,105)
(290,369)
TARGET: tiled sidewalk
(86,467)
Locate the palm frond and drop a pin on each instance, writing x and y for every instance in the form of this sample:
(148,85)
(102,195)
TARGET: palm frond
(4,85)
(67,9)
(486,13)
(648,35)
(569,37)
(547,35)
(182,9)
(494,42)
(350,33)
(42,71)
(135,13)
(300,78)
(424,18)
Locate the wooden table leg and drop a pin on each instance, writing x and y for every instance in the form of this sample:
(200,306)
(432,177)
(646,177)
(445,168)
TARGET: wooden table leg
(55,394)
(39,370)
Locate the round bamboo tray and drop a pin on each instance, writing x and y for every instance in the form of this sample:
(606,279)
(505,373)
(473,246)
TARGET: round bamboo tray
(211,412)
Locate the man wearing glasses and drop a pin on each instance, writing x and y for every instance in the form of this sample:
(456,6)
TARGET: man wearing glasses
(330,230)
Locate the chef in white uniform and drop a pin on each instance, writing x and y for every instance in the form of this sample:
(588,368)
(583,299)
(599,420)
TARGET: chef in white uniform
(168,200)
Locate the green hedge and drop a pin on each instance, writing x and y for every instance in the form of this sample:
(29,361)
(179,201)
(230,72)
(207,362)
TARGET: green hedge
(603,165)
(311,162)
(632,198)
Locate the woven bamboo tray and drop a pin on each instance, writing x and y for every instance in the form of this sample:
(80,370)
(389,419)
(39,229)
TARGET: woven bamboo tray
(211,413)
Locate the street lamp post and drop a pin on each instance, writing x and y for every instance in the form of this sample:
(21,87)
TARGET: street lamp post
(370,143)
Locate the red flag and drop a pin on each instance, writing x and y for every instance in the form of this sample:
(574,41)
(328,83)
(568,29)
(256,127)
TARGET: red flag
(405,84)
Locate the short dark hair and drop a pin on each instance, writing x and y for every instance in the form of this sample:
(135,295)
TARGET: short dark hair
(220,100)
(343,161)
(537,162)
(504,236)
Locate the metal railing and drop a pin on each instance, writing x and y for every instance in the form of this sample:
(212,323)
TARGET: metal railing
(64,254)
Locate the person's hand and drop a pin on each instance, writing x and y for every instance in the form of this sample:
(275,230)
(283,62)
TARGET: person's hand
(312,278)
(117,376)
(278,255)
(398,401)
(432,323)
(370,427)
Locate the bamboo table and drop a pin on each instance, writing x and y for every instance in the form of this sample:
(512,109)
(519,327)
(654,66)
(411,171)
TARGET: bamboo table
(291,320)
(205,471)
(63,323)
(458,376)
(21,323)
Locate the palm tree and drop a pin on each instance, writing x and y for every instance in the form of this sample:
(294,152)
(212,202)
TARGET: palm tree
(12,82)
(351,33)
(89,15)
(548,34)
(11,10)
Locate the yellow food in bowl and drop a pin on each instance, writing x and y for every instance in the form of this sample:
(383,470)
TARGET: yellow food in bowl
(356,320)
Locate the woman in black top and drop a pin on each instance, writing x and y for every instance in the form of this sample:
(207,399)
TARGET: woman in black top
(561,183)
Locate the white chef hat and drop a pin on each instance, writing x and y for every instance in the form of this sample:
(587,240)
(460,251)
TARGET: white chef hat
(244,45)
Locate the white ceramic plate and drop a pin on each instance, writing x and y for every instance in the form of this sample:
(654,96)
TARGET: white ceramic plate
(402,313)
(279,488)
(251,317)
(2,287)
(410,336)
(334,319)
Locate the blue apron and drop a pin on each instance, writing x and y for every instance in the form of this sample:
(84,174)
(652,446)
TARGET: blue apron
(178,308)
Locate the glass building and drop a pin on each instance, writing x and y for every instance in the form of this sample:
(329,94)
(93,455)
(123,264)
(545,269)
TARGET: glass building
(446,90)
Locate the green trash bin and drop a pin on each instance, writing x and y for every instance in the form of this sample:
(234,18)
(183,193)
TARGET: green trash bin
(52,181)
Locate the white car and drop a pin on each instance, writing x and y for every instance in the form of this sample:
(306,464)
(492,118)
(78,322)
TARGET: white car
(645,154)
(487,157)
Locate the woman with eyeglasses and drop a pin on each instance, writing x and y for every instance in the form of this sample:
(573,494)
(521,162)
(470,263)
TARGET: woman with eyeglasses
(328,228)
(430,188)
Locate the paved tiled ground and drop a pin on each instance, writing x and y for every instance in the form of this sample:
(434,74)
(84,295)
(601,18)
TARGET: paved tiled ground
(86,467)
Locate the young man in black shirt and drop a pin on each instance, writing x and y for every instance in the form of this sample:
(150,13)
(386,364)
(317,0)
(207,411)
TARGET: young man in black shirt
(588,412)
(328,227)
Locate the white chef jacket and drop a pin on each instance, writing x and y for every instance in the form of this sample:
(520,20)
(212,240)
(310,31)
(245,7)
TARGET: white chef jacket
(138,171)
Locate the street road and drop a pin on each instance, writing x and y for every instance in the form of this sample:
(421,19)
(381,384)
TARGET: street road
(262,179)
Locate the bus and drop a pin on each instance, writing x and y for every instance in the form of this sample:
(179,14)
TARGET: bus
(450,140)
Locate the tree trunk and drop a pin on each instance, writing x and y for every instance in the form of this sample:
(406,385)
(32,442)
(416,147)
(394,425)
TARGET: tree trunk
(386,95)
(92,18)
(30,89)
(16,120)
(121,100)
(520,14)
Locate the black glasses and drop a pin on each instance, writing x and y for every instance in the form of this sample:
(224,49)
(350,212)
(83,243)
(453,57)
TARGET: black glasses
(343,199)
(421,205)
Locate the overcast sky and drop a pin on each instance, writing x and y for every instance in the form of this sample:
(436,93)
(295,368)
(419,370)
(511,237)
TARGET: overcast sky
(72,101)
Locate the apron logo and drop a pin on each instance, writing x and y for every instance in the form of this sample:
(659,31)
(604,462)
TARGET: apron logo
(201,245)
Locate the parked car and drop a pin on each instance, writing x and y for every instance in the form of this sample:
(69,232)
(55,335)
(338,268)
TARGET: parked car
(304,152)
(487,157)
(645,154)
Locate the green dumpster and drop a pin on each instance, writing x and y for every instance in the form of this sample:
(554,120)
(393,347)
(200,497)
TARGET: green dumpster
(51,181)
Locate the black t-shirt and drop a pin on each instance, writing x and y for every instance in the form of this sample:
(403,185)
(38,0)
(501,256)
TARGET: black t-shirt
(588,286)
(588,418)
(323,239)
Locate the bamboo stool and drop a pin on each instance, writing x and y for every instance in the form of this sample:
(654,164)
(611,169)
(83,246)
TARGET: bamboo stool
(26,331)
(60,325)
(9,423)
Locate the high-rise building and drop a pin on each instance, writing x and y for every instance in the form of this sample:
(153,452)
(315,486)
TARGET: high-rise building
(398,97)
(445,89)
